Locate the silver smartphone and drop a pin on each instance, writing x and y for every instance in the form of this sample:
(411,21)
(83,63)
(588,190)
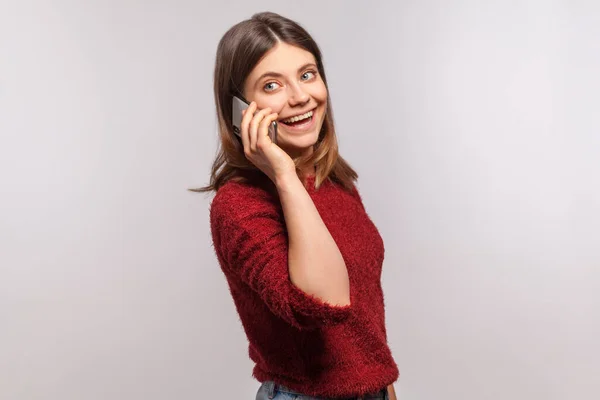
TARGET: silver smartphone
(239,105)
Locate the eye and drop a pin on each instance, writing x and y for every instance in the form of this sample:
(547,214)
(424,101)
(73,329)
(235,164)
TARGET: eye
(269,87)
(308,75)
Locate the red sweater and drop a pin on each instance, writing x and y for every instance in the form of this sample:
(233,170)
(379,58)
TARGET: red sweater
(296,339)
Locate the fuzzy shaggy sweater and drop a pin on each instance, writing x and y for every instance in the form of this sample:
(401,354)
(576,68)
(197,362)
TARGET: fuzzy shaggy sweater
(296,339)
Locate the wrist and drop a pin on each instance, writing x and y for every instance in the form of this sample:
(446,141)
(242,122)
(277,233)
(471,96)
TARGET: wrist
(286,180)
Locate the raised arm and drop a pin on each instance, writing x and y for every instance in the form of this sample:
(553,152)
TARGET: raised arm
(296,266)
(315,263)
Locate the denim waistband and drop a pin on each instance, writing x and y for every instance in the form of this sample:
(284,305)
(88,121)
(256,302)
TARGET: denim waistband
(273,387)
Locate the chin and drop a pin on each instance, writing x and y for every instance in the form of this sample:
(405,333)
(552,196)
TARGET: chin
(298,144)
(298,147)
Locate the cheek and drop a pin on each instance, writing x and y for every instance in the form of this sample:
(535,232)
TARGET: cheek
(275,103)
(320,93)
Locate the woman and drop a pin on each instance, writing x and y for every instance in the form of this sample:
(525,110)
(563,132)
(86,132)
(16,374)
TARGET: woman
(301,257)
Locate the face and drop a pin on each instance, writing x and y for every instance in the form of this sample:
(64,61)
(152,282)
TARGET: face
(287,80)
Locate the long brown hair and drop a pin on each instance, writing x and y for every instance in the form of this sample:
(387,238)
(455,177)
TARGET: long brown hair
(238,52)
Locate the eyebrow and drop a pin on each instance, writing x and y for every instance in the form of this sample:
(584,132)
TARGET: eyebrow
(278,75)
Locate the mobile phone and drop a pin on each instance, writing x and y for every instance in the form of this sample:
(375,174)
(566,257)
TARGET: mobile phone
(239,105)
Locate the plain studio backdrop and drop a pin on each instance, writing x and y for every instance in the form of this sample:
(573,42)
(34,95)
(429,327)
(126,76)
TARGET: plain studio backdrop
(474,126)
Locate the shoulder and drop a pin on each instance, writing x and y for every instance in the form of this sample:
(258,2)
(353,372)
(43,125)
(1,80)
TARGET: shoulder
(236,201)
(350,190)
(354,191)
(355,195)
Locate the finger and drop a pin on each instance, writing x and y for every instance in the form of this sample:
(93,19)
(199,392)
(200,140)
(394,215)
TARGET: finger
(245,126)
(254,126)
(263,130)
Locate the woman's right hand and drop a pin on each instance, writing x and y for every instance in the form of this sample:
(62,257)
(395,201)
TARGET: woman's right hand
(258,146)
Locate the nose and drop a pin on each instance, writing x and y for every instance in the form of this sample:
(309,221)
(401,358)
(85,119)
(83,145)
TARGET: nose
(298,96)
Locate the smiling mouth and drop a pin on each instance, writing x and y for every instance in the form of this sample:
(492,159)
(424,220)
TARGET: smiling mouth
(298,120)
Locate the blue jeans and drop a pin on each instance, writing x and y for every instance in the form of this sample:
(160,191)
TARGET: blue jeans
(270,390)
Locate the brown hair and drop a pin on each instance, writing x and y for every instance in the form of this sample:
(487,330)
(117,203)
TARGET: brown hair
(238,52)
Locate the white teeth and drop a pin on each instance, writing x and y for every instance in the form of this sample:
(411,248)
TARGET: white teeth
(298,117)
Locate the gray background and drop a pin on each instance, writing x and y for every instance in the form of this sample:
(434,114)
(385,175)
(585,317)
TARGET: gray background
(475,129)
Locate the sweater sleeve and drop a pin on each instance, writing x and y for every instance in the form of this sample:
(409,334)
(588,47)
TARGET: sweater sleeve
(252,242)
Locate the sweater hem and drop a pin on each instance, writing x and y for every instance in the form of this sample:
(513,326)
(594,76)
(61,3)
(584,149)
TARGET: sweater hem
(348,386)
